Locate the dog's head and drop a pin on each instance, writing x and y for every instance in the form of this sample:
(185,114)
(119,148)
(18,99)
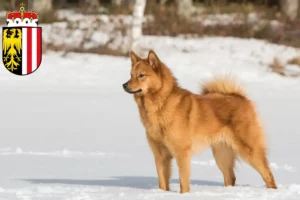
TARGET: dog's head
(145,75)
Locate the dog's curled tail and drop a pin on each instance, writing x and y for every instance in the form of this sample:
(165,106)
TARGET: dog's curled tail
(226,86)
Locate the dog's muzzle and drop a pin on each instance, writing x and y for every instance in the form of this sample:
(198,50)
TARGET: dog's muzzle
(125,87)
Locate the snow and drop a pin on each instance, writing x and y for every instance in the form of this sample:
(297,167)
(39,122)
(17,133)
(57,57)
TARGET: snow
(69,131)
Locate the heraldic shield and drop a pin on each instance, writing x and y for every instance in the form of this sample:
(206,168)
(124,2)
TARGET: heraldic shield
(22,42)
(21,49)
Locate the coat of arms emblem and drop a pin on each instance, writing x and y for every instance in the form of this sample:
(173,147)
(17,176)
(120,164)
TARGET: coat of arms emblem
(22,42)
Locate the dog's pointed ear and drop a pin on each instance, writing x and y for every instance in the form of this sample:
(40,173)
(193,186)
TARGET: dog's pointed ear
(153,59)
(134,58)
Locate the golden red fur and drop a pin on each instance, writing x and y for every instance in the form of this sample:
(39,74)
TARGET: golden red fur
(179,123)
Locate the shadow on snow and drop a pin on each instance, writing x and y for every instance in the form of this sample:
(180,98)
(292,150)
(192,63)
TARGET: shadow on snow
(140,182)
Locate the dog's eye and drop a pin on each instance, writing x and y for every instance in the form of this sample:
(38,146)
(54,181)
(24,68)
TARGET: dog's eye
(141,75)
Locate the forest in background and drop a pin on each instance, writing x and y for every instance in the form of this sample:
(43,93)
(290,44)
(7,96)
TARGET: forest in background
(275,21)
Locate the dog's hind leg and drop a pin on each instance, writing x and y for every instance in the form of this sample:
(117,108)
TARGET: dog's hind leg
(225,159)
(256,157)
(252,149)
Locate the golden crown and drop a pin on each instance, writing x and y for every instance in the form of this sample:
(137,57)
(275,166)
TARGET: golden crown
(21,14)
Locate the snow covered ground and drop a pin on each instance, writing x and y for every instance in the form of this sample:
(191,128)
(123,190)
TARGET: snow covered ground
(69,131)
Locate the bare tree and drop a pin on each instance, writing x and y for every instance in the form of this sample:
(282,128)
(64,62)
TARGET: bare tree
(117,2)
(137,24)
(92,5)
(13,4)
(162,2)
(40,6)
(128,3)
(138,17)
(185,8)
(290,8)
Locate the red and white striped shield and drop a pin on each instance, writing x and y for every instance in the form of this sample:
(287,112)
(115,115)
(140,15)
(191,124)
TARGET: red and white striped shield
(22,49)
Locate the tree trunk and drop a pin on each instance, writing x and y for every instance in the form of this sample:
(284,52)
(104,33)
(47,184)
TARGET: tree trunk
(163,2)
(184,8)
(92,5)
(117,2)
(137,21)
(13,4)
(40,6)
(290,8)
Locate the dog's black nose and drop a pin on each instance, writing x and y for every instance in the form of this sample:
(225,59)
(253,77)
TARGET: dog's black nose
(125,85)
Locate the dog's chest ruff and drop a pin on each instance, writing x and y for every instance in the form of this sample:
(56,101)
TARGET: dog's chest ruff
(155,125)
(155,120)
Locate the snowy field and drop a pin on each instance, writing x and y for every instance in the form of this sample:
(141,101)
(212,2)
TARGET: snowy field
(70,132)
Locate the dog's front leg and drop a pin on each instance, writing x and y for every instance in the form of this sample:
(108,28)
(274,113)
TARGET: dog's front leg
(163,160)
(184,165)
(163,168)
